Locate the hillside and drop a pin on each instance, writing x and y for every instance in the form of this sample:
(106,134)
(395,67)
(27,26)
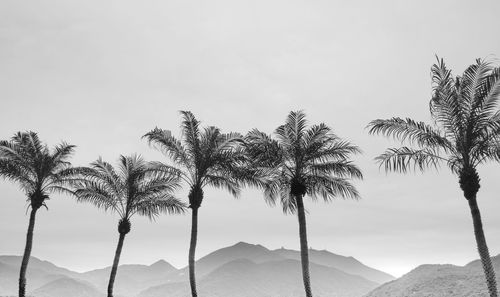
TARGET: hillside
(244,278)
(259,254)
(240,270)
(131,279)
(346,264)
(65,287)
(432,280)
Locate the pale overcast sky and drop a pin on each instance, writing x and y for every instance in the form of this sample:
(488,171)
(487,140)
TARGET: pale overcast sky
(99,74)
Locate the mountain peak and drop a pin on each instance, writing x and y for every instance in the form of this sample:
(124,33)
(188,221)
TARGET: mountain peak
(159,262)
(162,264)
(245,244)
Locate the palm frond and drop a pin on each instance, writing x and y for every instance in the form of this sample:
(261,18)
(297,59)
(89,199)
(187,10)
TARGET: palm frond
(344,169)
(486,114)
(104,172)
(318,137)
(263,151)
(473,82)
(226,182)
(445,106)
(491,91)
(191,134)
(169,145)
(290,134)
(404,158)
(97,194)
(337,150)
(409,130)
(156,205)
(61,153)
(9,170)
(329,187)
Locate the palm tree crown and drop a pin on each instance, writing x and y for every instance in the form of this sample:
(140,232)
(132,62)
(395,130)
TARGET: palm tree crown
(38,170)
(206,157)
(465,130)
(137,187)
(301,160)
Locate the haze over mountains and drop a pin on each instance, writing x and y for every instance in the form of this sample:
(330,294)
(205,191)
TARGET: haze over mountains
(248,270)
(241,270)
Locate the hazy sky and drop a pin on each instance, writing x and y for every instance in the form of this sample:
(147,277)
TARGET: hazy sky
(99,74)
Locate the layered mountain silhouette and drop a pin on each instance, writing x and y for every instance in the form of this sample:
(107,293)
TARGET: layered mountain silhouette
(432,280)
(244,278)
(67,287)
(241,270)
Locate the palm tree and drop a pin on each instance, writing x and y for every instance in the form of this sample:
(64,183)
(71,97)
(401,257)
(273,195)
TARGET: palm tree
(207,158)
(39,172)
(137,187)
(303,161)
(465,133)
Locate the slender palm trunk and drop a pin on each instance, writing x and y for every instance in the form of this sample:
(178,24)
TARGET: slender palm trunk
(482,247)
(192,251)
(27,254)
(114,269)
(304,250)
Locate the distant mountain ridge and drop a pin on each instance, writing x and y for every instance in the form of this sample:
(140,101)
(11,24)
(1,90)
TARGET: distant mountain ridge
(240,270)
(346,264)
(244,278)
(67,287)
(259,254)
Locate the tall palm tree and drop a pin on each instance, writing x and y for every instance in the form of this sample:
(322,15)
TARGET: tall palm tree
(135,187)
(39,172)
(303,161)
(207,158)
(464,134)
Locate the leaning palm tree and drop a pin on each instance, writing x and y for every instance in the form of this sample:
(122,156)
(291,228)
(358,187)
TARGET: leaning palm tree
(137,187)
(465,133)
(207,158)
(302,161)
(39,172)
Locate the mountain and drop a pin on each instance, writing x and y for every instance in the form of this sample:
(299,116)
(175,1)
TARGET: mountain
(240,270)
(39,273)
(131,279)
(346,264)
(259,254)
(244,278)
(242,250)
(37,264)
(432,280)
(64,287)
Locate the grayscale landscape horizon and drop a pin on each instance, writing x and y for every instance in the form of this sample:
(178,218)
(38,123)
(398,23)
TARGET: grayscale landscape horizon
(248,270)
(100,74)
